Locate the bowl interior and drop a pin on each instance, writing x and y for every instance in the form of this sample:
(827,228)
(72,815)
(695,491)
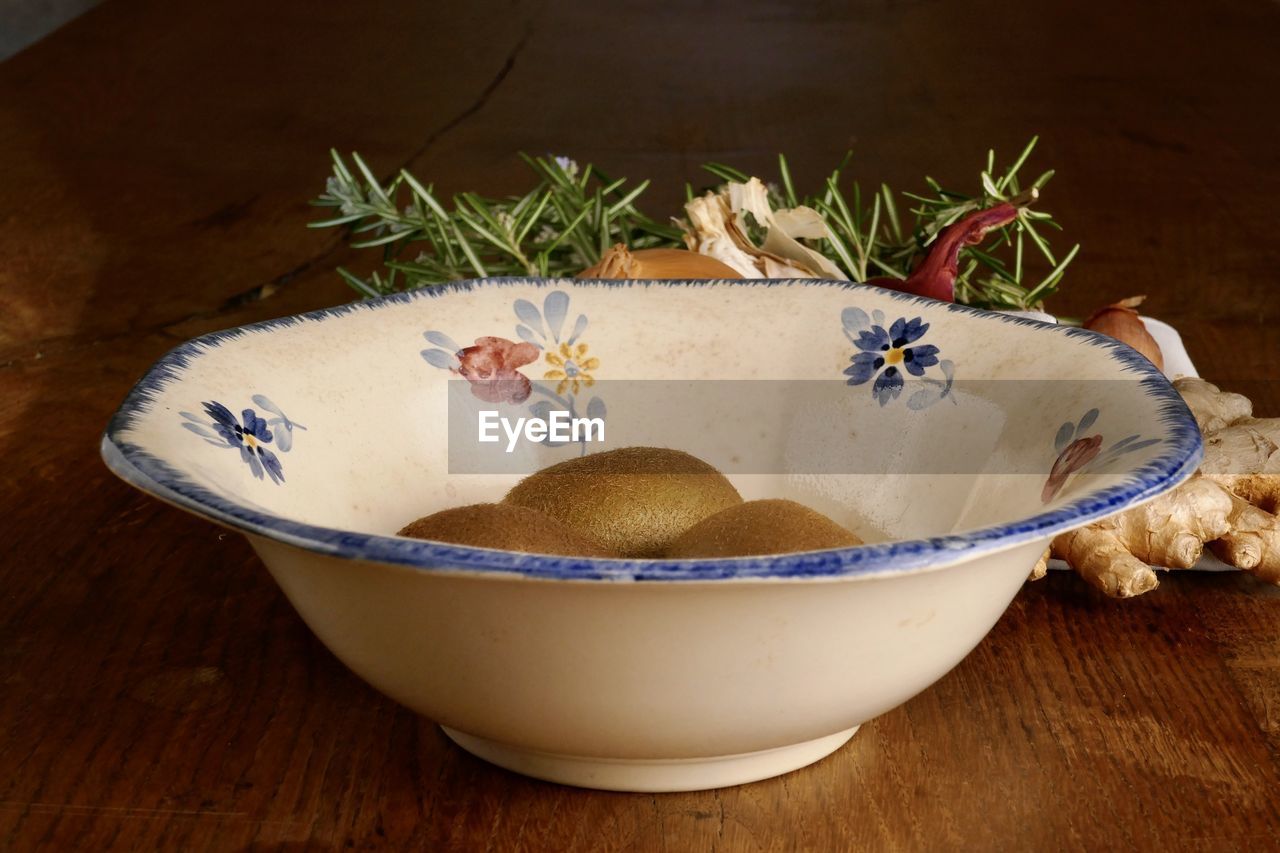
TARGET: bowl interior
(899,417)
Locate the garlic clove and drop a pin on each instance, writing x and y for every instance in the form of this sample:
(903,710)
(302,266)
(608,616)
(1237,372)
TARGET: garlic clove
(712,232)
(802,223)
(783,229)
(783,244)
(751,197)
(774,268)
(717,227)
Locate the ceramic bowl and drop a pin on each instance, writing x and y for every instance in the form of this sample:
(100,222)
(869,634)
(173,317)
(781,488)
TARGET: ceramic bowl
(956,442)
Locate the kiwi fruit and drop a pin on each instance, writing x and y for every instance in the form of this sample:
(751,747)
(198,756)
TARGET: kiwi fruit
(505,526)
(634,500)
(761,527)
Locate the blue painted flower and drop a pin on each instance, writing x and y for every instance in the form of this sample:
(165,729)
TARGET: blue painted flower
(282,428)
(885,355)
(250,435)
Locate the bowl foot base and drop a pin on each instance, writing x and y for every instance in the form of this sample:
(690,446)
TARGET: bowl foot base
(650,776)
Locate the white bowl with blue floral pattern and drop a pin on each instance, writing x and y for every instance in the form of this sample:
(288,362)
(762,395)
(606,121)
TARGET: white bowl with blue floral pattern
(956,442)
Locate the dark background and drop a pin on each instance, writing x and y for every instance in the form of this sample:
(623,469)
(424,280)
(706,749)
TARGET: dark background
(157,157)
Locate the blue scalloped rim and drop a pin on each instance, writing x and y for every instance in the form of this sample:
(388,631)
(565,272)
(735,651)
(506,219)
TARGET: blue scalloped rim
(150,474)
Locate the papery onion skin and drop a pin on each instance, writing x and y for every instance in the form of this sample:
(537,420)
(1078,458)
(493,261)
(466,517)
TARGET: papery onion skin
(935,276)
(620,262)
(1122,322)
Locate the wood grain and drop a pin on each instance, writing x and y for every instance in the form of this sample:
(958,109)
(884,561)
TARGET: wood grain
(159,693)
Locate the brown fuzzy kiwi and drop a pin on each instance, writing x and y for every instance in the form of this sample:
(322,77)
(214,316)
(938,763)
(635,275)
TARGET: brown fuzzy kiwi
(635,500)
(504,526)
(761,527)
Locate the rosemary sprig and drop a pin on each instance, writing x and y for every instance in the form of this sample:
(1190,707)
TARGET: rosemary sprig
(869,241)
(560,227)
(573,214)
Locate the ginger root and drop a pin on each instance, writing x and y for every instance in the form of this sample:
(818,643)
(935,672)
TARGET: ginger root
(1041,568)
(1229,505)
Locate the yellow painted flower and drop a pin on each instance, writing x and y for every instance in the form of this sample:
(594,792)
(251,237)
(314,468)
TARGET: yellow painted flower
(571,365)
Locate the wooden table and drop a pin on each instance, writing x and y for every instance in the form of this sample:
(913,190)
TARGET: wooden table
(158,691)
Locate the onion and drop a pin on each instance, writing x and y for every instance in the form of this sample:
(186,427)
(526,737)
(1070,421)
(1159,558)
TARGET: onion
(620,262)
(1121,321)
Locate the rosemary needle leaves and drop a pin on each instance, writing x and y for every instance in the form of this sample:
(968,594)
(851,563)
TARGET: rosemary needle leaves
(574,214)
(560,227)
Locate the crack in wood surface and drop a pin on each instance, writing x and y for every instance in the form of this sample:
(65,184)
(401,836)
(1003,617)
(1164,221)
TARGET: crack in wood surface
(36,350)
(270,288)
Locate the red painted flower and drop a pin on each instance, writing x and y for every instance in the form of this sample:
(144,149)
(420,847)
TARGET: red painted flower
(1073,457)
(490,367)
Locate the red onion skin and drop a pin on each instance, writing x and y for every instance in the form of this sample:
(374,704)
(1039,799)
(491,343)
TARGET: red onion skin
(935,276)
(1122,322)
